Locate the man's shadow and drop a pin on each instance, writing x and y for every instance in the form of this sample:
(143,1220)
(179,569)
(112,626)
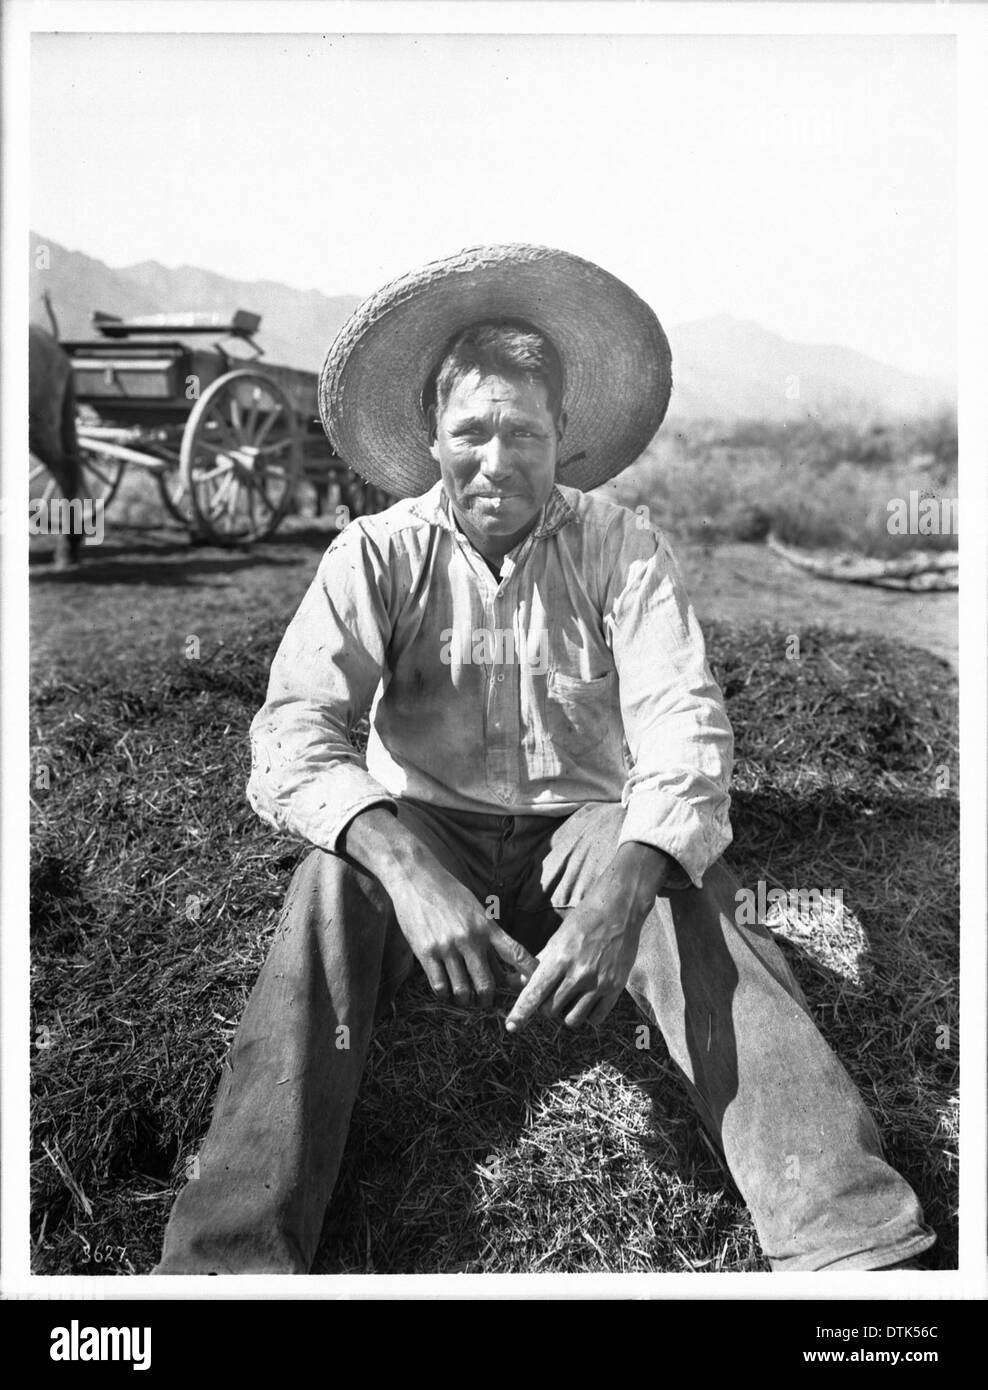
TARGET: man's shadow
(470,1150)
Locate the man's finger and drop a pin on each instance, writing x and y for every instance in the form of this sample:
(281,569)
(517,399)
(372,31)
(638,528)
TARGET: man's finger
(456,971)
(565,997)
(531,999)
(482,977)
(582,1009)
(505,976)
(436,976)
(602,1009)
(512,981)
(513,953)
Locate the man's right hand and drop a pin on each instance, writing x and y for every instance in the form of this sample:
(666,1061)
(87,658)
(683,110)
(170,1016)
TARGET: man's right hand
(459,947)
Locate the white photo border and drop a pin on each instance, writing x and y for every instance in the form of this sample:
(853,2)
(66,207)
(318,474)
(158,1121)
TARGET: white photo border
(969,23)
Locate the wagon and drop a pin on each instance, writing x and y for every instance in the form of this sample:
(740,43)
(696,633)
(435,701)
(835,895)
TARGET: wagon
(227,435)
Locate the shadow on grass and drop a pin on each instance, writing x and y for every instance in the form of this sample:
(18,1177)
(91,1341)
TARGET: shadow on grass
(175,559)
(193,570)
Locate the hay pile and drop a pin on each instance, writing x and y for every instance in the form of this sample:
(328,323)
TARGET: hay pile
(155,890)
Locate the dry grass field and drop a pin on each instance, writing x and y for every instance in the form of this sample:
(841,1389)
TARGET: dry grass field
(155,891)
(816,486)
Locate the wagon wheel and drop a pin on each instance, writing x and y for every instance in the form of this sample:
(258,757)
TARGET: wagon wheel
(101,477)
(241,457)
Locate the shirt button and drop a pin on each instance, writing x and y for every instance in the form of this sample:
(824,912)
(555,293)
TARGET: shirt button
(500,678)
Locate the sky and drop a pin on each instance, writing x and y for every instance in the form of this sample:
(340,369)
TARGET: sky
(805,182)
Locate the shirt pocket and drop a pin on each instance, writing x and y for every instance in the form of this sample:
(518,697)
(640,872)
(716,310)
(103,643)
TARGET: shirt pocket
(582,722)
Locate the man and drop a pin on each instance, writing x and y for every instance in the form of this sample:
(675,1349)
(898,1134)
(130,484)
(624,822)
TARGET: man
(545,791)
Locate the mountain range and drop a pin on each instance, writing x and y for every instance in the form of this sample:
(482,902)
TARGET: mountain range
(724,368)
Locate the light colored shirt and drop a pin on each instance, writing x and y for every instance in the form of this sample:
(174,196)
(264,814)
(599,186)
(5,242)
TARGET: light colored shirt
(578,675)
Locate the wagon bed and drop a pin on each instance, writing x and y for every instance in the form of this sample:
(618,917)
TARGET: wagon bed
(227,434)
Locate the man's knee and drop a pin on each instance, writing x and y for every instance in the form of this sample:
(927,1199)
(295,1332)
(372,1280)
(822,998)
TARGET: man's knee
(721,905)
(331,890)
(582,846)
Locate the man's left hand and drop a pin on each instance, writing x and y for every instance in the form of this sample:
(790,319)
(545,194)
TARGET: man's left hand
(586,964)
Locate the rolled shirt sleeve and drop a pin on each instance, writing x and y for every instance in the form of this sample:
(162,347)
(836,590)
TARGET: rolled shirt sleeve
(675,723)
(307,778)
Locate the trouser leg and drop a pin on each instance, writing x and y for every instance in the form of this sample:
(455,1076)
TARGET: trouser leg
(798,1140)
(270,1159)
(797,1137)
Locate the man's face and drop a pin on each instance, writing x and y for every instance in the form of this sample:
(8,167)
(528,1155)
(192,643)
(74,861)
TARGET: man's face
(496,444)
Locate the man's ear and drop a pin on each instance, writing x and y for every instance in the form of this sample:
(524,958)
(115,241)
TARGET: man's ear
(561,426)
(431,425)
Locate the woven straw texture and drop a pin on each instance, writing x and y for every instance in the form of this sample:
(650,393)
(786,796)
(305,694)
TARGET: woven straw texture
(615,355)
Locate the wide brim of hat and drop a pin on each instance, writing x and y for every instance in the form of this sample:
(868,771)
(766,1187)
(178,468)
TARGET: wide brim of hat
(615,356)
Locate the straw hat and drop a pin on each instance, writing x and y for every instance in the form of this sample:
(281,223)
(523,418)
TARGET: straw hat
(615,357)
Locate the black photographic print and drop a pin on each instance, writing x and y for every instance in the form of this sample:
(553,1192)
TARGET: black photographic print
(482,786)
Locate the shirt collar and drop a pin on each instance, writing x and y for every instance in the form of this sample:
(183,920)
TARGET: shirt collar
(434,507)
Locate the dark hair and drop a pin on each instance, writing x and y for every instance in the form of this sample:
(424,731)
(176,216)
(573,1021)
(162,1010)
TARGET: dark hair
(497,347)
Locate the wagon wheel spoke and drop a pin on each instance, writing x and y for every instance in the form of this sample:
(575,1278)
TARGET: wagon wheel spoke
(251,426)
(212,499)
(277,448)
(217,504)
(209,486)
(233,499)
(207,476)
(224,485)
(230,440)
(218,417)
(266,427)
(235,419)
(220,499)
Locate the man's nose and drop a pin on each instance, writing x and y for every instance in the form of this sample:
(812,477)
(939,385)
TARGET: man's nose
(496,462)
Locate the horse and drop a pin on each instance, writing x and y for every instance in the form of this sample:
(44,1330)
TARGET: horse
(52,433)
